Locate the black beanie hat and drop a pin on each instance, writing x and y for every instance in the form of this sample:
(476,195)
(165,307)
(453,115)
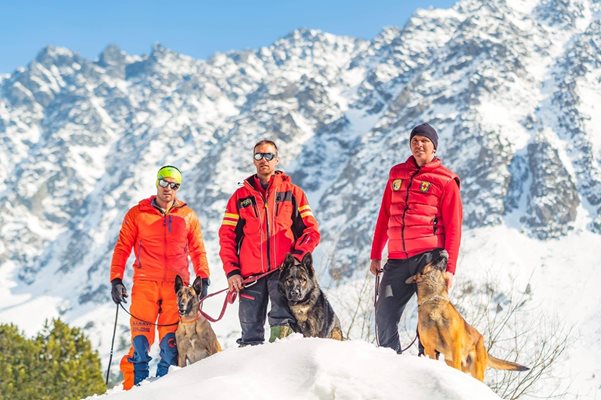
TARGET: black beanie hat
(425,130)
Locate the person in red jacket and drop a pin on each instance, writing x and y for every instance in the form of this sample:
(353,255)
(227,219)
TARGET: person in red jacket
(163,232)
(421,212)
(267,218)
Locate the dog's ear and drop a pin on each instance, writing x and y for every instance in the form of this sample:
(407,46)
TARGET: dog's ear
(441,261)
(178,283)
(308,263)
(428,268)
(288,262)
(197,286)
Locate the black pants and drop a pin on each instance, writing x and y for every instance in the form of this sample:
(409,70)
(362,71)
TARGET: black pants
(253,308)
(393,296)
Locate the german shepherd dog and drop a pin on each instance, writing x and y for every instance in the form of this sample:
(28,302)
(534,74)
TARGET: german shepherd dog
(194,336)
(442,329)
(313,313)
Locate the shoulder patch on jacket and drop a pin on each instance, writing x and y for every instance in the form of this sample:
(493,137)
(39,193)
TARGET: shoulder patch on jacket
(396,184)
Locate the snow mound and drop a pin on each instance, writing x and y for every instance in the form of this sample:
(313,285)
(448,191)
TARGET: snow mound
(304,368)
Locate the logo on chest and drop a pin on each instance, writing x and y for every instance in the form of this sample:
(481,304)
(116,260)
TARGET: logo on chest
(396,184)
(425,187)
(245,202)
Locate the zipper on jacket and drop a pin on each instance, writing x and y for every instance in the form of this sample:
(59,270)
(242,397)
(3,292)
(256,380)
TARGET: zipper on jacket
(268,238)
(252,188)
(406,208)
(165,246)
(435,223)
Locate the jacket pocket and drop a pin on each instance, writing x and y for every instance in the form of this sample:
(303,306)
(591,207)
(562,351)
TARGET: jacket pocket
(140,249)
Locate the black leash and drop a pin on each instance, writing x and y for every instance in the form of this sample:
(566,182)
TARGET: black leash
(377,288)
(112,345)
(410,344)
(376,293)
(147,322)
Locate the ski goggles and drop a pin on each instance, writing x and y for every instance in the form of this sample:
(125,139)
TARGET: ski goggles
(172,185)
(266,156)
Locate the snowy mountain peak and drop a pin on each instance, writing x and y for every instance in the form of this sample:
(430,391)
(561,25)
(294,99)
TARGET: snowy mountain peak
(55,56)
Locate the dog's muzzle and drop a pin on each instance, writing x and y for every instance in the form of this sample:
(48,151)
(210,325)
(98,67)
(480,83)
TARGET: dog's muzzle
(294,295)
(183,308)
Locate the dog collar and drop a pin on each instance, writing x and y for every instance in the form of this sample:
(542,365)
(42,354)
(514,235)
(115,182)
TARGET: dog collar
(432,299)
(184,320)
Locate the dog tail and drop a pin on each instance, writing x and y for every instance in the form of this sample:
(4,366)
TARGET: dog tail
(497,363)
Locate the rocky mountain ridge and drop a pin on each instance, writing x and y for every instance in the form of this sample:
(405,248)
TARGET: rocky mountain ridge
(508,85)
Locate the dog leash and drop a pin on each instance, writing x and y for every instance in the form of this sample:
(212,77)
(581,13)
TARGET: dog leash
(147,322)
(376,290)
(229,299)
(376,293)
(231,295)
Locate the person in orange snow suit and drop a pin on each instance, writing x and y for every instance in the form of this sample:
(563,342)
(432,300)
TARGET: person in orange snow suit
(421,211)
(267,218)
(163,231)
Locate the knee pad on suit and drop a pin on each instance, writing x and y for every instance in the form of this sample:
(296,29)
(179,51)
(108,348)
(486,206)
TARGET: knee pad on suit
(168,353)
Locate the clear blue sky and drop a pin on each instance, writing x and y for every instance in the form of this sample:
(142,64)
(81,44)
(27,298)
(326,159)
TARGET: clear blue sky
(196,28)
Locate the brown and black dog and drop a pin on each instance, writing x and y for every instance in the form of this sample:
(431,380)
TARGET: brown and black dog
(314,315)
(442,329)
(194,336)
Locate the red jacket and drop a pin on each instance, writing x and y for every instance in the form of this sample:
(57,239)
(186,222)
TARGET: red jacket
(161,243)
(421,210)
(261,227)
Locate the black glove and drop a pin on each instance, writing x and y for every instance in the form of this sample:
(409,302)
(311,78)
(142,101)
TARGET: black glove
(118,291)
(203,283)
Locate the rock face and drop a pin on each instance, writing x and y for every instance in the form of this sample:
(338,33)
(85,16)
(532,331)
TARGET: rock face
(510,86)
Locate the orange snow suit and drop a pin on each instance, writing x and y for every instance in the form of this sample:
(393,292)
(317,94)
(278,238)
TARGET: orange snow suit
(162,243)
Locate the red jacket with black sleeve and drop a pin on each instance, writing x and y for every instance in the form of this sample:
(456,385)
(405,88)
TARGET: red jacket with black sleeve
(261,227)
(421,211)
(161,242)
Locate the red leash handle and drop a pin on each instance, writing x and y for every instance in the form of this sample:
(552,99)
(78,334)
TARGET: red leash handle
(231,295)
(229,298)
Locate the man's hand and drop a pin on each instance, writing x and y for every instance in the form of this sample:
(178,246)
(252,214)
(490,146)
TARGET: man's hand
(234,282)
(449,280)
(118,291)
(375,267)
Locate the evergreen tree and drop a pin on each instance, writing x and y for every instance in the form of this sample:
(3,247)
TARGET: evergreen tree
(19,364)
(58,364)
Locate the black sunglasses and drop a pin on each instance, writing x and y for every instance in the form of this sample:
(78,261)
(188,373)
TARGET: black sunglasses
(163,183)
(267,156)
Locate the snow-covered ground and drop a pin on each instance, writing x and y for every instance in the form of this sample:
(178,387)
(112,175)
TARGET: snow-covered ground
(300,368)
